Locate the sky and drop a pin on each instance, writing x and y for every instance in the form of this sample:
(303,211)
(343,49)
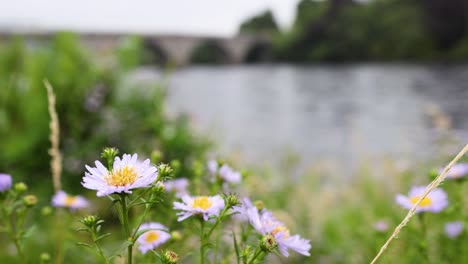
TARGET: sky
(194,17)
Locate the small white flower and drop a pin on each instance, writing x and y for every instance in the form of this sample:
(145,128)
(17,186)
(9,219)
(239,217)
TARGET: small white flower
(381,226)
(265,223)
(179,186)
(212,166)
(206,206)
(229,175)
(453,229)
(153,238)
(127,173)
(62,199)
(225,172)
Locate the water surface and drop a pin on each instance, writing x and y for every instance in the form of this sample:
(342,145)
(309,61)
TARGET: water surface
(324,112)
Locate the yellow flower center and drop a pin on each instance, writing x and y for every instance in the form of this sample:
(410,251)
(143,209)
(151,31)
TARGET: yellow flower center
(151,237)
(280,229)
(425,202)
(70,200)
(202,202)
(122,177)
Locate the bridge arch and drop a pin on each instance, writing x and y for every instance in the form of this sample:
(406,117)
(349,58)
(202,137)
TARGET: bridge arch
(259,52)
(154,53)
(210,52)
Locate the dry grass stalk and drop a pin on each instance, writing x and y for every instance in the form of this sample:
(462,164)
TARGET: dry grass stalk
(434,184)
(54,136)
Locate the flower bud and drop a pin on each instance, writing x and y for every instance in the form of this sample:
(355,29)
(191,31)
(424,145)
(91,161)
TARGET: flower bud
(259,204)
(165,171)
(89,221)
(45,257)
(246,251)
(268,243)
(433,174)
(46,210)
(30,200)
(156,156)
(244,173)
(21,187)
(175,164)
(158,188)
(109,154)
(198,168)
(170,257)
(176,235)
(232,200)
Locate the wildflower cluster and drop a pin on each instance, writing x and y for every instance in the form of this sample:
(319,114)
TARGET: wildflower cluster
(135,187)
(273,232)
(15,206)
(131,183)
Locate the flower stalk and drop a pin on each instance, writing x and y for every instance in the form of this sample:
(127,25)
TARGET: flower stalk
(126,226)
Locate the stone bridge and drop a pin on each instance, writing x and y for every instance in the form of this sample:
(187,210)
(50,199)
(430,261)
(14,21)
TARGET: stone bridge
(175,49)
(180,49)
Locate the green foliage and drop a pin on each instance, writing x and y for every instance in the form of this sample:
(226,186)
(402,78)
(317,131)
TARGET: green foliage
(89,98)
(130,52)
(379,30)
(264,23)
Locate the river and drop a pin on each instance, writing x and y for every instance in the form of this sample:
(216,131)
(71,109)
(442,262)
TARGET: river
(324,112)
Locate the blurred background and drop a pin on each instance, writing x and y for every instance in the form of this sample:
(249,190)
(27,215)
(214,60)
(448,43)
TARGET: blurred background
(266,81)
(328,107)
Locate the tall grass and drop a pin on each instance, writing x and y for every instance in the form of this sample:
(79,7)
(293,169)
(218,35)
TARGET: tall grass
(54,137)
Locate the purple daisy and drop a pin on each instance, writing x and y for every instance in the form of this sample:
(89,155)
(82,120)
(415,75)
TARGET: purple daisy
(457,171)
(434,202)
(153,238)
(62,199)
(127,173)
(453,229)
(5,182)
(265,224)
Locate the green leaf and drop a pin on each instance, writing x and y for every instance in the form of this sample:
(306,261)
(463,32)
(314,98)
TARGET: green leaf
(81,229)
(28,232)
(141,232)
(236,247)
(101,237)
(113,203)
(84,244)
(122,247)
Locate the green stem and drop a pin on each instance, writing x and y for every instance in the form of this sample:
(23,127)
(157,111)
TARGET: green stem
(58,218)
(258,252)
(131,204)
(147,208)
(423,244)
(218,220)
(99,249)
(464,206)
(126,225)
(205,237)
(202,241)
(14,226)
(18,248)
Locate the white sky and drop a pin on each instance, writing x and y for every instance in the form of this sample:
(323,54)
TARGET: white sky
(204,17)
